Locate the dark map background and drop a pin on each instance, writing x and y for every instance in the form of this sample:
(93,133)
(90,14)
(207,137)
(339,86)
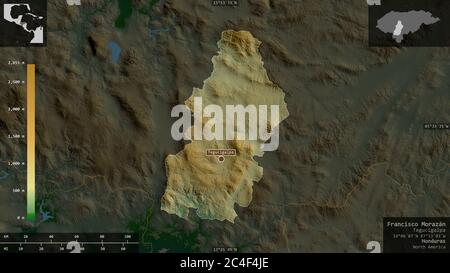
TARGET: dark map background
(353,150)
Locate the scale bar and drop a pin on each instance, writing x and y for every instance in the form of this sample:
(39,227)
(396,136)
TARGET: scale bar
(64,243)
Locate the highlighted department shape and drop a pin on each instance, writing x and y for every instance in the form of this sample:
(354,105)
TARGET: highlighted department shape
(209,185)
(397,34)
(398,28)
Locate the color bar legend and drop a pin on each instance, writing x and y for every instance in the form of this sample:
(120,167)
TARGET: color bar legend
(31,142)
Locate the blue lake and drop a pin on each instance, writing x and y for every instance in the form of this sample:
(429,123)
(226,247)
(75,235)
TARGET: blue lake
(115,52)
(45,216)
